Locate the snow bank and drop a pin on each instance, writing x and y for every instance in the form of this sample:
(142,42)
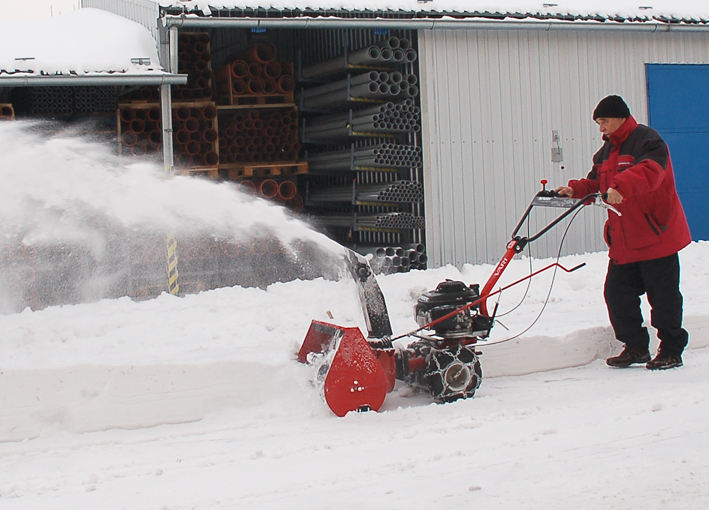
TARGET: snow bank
(124,364)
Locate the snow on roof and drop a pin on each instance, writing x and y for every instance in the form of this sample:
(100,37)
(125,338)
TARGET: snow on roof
(83,42)
(691,11)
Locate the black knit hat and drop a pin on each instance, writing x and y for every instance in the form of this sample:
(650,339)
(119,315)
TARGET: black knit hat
(612,107)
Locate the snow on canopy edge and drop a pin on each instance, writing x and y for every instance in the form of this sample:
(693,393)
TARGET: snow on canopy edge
(83,42)
(687,11)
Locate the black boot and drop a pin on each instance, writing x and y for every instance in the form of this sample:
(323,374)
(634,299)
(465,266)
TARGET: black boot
(664,360)
(629,356)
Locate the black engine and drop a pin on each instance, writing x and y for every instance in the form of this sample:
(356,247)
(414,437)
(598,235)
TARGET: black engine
(448,297)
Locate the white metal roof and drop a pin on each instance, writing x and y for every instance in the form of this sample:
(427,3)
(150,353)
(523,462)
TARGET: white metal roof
(88,46)
(629,10)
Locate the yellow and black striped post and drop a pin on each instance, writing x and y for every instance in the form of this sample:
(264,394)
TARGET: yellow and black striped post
(173,285)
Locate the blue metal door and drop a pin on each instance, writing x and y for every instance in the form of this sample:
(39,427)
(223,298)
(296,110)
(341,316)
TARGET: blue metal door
(678,106)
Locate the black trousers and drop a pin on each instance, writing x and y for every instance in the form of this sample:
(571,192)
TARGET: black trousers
(659,279)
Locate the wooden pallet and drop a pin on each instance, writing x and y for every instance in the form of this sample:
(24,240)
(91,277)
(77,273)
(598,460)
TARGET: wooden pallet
(247,100)
(280,169)
(198,171)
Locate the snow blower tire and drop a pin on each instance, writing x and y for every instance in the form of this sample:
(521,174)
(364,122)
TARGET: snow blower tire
(453,373)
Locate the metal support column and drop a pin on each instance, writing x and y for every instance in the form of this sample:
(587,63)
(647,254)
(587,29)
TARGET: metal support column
(173,285)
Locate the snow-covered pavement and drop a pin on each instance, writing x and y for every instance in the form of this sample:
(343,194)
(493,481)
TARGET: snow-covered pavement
(198,402)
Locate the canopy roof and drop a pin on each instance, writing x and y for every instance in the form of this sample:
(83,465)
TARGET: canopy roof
(686,11)
(87,46)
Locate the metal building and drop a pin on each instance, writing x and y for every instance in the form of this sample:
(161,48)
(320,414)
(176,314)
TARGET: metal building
(499,92)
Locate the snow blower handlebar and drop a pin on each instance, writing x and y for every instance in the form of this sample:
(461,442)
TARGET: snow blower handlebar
(545,198)
(518,243)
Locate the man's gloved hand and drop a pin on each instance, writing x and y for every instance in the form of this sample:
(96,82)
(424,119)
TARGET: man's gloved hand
(565,191)
(613,196)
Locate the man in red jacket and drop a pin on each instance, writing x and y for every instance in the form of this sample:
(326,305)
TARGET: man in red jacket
(633,167)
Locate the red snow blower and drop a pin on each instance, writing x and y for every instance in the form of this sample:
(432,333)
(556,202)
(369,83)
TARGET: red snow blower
(356,373)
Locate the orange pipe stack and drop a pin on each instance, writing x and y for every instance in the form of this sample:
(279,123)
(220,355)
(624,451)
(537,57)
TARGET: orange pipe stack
(140,132)
(254,72)
(253,136)
(284,191)
(195,136)
(194,59)
(7,112)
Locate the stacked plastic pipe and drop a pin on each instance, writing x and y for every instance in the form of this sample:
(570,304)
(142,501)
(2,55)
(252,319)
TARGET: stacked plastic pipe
(44,100)
(384,155)
(254,72)
(285,191)
(195,137)
(390,51)
(402,117)
(256,135)
(387,192)
(94,99)
(7,112)
(194,59)
(393,259)
(140,132)
(65,100)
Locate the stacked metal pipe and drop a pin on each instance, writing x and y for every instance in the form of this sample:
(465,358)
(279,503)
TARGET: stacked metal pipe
(389,192)
(390,117)
(391,220)
(390,51)
(254,72)
(384,155)
(392,259)
(140,132)
(194,59)
(253,135)
(372,85)
(195,136)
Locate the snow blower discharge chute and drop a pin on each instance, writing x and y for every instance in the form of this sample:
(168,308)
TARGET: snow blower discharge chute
(355,373)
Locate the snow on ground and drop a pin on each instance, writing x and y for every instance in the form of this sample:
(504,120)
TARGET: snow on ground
(197,402)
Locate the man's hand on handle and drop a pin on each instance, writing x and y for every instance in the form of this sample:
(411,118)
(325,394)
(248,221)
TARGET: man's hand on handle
(565,191)
(613,196)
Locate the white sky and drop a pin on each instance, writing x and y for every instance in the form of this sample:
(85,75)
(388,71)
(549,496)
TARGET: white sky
(14,10)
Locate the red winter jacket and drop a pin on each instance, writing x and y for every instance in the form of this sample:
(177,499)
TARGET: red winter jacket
(636,162)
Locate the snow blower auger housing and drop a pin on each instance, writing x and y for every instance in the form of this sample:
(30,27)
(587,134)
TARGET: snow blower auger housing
(356,373)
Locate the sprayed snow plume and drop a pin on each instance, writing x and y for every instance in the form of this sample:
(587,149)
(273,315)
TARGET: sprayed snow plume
(79,224)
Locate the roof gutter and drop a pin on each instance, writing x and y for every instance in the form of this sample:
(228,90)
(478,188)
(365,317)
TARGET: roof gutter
(91,80)
(424,24)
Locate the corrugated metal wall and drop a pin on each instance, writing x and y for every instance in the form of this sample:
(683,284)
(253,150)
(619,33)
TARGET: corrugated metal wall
(490,101)
(144,12)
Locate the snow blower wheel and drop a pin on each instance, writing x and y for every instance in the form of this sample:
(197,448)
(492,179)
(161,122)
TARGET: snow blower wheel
(453,373)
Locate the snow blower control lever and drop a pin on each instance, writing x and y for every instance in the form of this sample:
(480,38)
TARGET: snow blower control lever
(356,373)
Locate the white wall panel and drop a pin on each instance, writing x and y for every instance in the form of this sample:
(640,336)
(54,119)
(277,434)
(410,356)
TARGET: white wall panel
(490,100)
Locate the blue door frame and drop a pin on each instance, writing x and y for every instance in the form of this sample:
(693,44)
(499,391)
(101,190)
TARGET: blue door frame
(678,108)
